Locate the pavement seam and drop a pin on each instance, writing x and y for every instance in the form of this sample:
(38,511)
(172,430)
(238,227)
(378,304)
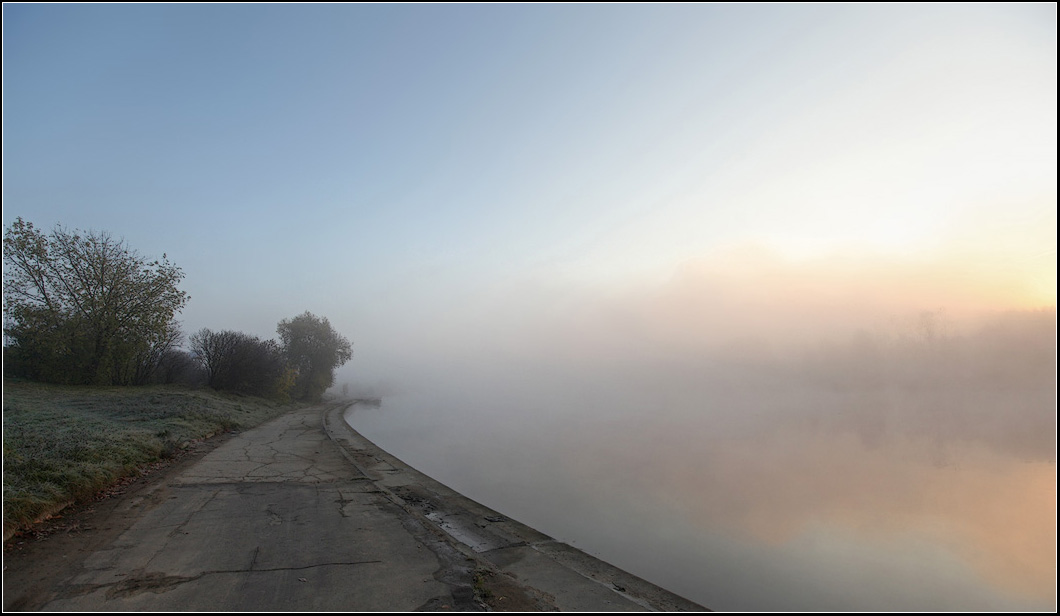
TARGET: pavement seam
(178,528)
(162,583)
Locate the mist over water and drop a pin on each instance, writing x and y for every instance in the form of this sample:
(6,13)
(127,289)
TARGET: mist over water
(751,450)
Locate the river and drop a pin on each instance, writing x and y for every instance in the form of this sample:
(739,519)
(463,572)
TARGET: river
(847,480)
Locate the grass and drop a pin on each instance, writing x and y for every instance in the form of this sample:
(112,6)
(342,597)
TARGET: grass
(482,590)
(66,444)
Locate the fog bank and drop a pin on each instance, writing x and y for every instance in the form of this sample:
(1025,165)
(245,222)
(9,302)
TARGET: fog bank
(901,415)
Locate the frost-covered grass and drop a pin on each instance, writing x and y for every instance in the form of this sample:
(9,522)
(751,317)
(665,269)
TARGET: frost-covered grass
(65,444)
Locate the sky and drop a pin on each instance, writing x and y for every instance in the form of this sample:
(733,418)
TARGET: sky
(447,180)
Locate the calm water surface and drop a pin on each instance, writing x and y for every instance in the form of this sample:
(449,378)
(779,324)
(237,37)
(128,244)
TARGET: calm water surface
(760,487)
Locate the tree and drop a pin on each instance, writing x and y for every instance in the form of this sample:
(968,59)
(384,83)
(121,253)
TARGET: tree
(215,352)
(239,362)
(178,366)
(314,350)
(85,308)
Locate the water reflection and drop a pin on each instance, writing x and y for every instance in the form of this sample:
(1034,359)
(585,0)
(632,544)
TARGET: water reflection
(859,476)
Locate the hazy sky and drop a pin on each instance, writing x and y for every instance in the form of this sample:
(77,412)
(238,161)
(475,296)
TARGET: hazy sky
(412,170)
(560,232)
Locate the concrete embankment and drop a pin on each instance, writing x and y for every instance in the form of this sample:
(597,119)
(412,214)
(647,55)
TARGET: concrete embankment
(305,514)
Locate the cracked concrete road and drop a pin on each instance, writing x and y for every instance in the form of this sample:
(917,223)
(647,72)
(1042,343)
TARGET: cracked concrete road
(304,514)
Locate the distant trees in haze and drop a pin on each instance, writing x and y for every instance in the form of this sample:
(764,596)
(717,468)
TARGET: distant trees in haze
(314,350)
(239,362)
(1014,349)
(178,366)
(301,366)
(84,308)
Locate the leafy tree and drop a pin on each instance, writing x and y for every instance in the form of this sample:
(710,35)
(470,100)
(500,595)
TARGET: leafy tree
(85,308)
(314,350)
(149,361)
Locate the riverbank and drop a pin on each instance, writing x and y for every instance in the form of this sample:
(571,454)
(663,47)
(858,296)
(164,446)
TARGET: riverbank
(303,513)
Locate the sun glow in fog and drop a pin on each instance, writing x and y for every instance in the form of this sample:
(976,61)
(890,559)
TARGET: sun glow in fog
(838,471)
(943,148)
(860,410)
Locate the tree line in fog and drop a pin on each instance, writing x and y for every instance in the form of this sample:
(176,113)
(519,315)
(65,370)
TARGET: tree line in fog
(83,308)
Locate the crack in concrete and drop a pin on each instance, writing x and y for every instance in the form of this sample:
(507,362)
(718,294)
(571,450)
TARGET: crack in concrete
(158,582)
(275,519)
(179,528)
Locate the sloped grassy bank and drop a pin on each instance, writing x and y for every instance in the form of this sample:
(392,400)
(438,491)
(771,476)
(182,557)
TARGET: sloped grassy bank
(65,444)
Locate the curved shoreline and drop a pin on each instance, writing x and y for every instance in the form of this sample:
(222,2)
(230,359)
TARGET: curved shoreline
(303,513)
(492,538)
